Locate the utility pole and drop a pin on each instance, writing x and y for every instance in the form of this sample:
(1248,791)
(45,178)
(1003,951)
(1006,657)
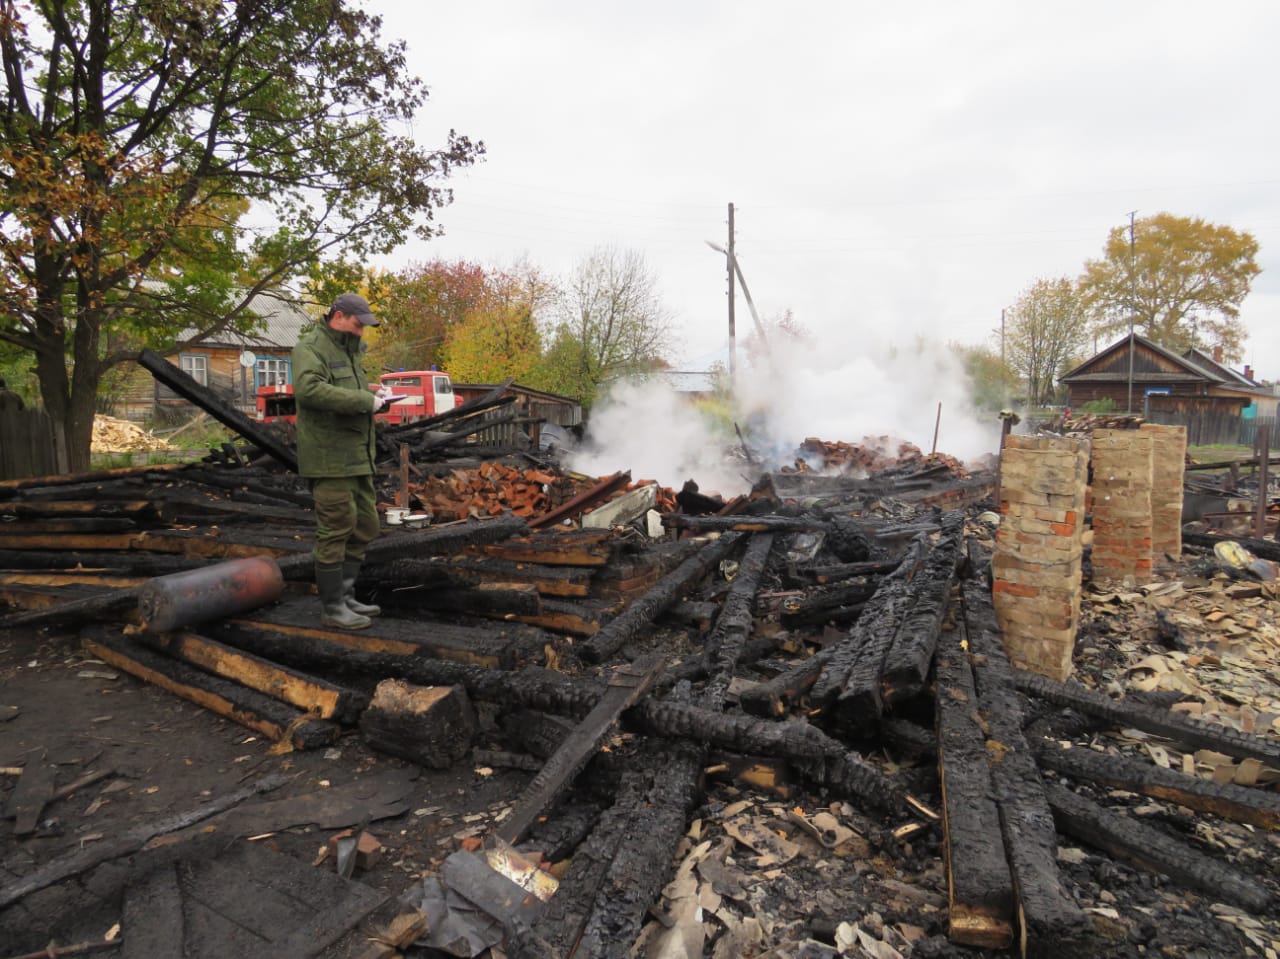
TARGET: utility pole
(1133,304)
(730,262)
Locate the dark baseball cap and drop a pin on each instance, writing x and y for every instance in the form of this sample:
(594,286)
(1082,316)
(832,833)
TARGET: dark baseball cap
(353,304)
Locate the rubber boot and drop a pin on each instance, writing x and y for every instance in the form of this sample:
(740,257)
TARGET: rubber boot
(334,610)
(350,573)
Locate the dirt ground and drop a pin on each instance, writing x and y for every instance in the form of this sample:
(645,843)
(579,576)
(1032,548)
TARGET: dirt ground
(169,756)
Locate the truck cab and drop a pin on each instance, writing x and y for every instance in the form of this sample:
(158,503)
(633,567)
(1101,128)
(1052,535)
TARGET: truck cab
(426,392)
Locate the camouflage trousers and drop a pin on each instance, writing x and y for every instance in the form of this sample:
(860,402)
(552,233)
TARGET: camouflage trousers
(346,518)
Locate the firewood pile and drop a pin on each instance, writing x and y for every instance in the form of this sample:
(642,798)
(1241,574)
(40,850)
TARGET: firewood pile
(111,435)
(1088,422)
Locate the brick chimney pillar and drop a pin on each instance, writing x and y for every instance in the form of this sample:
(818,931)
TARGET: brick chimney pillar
(1217,354)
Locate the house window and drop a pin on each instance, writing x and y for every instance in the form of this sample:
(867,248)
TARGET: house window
(196,366)
(272,371)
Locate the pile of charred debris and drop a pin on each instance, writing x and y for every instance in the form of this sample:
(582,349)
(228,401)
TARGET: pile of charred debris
(779,725)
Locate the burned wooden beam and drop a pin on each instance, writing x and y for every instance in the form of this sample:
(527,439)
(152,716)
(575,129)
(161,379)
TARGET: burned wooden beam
(743,524)
(836,604)
(530,686)
(558,929)
(642,864)
(868,640)
(63,509)
(906,666)
(486,647)
(238,703)
(578,547)
(979,884)
(640,614)
(733,625)
(209,401)
(132,564)
(111,605)
(13,487)
(313,695)
(563,581)
(1151,719)
(626,685)
(1139,844)
(823,575)
(894,659)
(1257,807)
(491,600)
(1051,923)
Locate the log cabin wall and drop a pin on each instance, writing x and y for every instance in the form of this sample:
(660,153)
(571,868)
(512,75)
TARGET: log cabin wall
(1168,469)
(1038,563)
(1122,505)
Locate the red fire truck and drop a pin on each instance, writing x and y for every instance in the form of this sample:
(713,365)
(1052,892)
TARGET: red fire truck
(425,392)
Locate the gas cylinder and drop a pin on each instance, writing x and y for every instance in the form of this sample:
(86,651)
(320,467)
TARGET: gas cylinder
(213,592)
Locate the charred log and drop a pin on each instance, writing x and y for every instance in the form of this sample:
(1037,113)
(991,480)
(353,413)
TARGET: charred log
(1151,719)
(1141,845)
(980,886)
(1051,922)
(231,700)
(1253,806)
(734,623)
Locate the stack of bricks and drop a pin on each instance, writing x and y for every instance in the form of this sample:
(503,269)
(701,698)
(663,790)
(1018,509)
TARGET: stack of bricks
(1168,471)
(1039,550)
(1122,505)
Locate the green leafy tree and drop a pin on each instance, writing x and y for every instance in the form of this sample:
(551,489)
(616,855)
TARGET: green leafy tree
(134,135)
(610,324)
(1046,329)
(991,383)
(1180,280)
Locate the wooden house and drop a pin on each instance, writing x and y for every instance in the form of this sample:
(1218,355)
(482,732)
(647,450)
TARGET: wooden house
(234,365)
(1191,389)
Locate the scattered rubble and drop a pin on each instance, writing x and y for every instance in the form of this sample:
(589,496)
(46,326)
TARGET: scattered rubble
(782,725)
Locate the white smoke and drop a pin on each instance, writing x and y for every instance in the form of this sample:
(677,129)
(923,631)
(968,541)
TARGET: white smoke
(852,394)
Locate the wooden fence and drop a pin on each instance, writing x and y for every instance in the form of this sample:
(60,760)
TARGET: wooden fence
(1210,420)
(26,444)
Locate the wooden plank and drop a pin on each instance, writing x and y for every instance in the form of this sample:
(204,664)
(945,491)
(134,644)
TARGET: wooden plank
(153,921)
(34,789)
(979,884)
(309,693)
(626,685)
(238,703)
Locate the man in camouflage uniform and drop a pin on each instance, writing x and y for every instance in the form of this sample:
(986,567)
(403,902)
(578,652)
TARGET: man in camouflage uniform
(336,452)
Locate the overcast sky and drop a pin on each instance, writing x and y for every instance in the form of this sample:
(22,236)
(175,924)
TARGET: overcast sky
(897,169)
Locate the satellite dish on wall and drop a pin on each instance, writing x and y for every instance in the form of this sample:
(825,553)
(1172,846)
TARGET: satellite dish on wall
(248,359)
